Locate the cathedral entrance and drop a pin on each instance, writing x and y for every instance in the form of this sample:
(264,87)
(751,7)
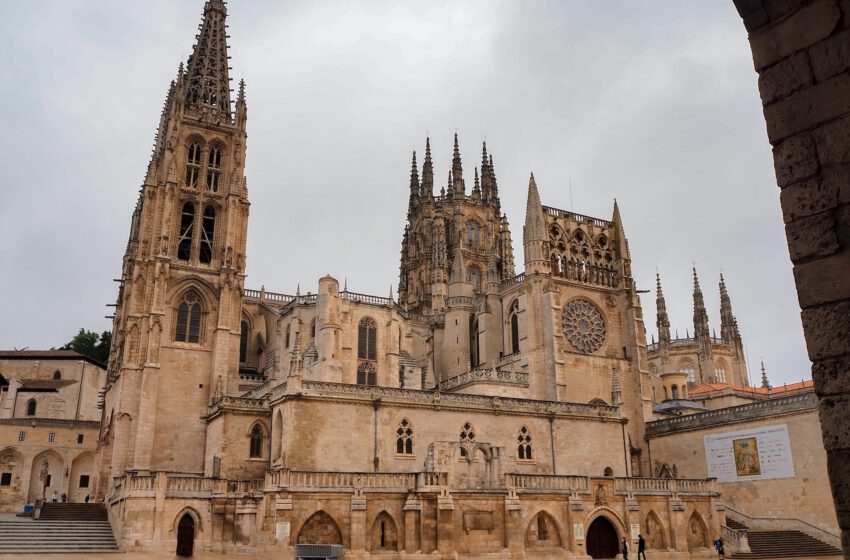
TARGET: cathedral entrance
(602,540)
(185,535)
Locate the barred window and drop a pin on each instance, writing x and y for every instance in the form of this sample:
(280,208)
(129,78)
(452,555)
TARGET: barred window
(524,444)
(193,165)
(187,227)
(213,169)
(188,327)
(404,438)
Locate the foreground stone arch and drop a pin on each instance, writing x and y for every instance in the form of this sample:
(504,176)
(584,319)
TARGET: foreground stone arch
(320,528)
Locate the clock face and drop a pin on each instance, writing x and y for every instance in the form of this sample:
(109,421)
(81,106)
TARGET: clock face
(584,326)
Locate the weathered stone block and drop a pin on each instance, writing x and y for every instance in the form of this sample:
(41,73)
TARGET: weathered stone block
(832,377)
(827,330)
(833,141)
(837,178)
(833,421)
(812,237)
(823,280)
(808,198)
(795,159)
(807,108)
(809,25)
(785,77)
(831,56)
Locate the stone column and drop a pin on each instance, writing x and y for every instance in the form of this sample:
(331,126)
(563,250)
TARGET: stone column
(800,51)
(358,522)
(514,537)
(412,507)
(445,523)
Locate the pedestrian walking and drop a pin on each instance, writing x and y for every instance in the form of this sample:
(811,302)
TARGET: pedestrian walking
(55,496)
(718,545)
(87,498)
(641,547)
(625,549)
(64,498)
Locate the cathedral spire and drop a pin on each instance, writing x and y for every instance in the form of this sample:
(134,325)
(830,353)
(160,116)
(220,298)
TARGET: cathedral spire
(207,70)
(534,232)
(427,172)
(476,188)
(621,243)
(457,171)
(700,315)
(765,384)
(662,320)
(486,184)
(728,324)
(414,182)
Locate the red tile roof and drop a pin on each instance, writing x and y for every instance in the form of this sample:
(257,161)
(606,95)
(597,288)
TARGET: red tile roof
(47,355)
(785,388)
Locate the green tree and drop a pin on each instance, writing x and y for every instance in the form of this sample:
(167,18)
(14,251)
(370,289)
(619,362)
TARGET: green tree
(88,343)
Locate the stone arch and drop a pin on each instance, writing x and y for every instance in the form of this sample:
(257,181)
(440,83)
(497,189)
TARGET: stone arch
(11,461)
(603,533)
(55,471)
(543,531)
(385,535)
(598,401)
(191,512)
(204,289)
(697,532)
(186,526)
(81,477)
(319,528)
(654,532)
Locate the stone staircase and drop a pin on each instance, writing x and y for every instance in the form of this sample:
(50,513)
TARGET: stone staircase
(67,528)
(781,544)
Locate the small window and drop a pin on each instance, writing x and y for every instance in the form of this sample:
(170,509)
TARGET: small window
(367,374)
(404,438)
(467,433)
(31,406)
(47,480)
(51,437)
(524,444)
(79,438)
(57,375)
(608,471)
(6,479)
(256,450)
(22,436)
(188,327)
(84,481)
(514,327)
(193,165)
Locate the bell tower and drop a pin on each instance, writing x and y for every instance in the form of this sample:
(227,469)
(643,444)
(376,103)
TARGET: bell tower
(177,318)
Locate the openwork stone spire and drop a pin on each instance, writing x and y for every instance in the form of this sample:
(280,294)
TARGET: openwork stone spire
(427,172)
(728,324)
(662,319)
(457,170)
(700,314)
(208,83)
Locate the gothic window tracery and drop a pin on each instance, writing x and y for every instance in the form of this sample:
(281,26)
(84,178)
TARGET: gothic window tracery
(524,444)
(367,352)
(473,276)
(514,314)
(584,326)
(467,433)
(193,165)
(187,227)
(256,446)
(404,438)
(207,235)
(720,371)
(688,368)
(188,324)
(472,233)
(214,169)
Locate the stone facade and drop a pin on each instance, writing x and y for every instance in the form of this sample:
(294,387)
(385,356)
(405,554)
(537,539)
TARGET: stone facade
(49,426)
(477,412)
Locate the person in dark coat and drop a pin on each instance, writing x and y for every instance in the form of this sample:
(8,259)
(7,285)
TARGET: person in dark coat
(641,547)
(718,545)
(624,547)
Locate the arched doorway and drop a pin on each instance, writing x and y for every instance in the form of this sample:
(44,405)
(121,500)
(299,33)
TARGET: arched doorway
(697,532)
(185,535)
(602,540)
(384,533)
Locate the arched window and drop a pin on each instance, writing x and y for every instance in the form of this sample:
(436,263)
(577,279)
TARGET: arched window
(243,342)
(188,327)
(467,433)
(675,390)
(367,374)
(514,327)
(213,169)
(720,372)
(187,223)
(608,472)
(313,329)
(404,438)
(256,442)
(524,444)
(688,367)
(207,235)
(57,375)
(367,336)
(31,407)
(472,235)
(473,276)
(193,165)
(286,340)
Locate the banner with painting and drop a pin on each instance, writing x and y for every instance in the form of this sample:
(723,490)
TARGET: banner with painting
(756,454)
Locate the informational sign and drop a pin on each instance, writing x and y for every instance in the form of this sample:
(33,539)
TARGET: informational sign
(757,454)
(282,530)
(578,531)
(634,530)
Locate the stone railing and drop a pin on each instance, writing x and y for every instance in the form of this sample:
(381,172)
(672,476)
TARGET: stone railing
(784,524)
(736,540)
(487,376)
(262,295)
(509,283)
(317,480)
(548,482)
(742,412)
(253,376)
(433,398)
(664,486)
(585,272)
(578,218)
(366,298)
(184,486)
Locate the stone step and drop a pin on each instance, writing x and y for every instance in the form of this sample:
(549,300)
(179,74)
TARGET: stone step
(784,544)
(31,536)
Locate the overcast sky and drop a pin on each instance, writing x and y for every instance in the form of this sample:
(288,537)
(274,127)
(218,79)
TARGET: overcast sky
(652,103)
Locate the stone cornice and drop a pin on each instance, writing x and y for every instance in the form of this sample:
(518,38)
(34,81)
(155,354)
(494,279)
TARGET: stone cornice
(52,422)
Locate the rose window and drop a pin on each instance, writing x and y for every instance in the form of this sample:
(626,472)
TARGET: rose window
(584,326)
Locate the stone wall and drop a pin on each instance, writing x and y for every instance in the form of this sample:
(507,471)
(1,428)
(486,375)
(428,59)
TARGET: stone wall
(801,51)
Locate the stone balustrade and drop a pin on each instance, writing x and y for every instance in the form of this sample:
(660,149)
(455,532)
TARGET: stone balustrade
(490,375)
(575,484)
